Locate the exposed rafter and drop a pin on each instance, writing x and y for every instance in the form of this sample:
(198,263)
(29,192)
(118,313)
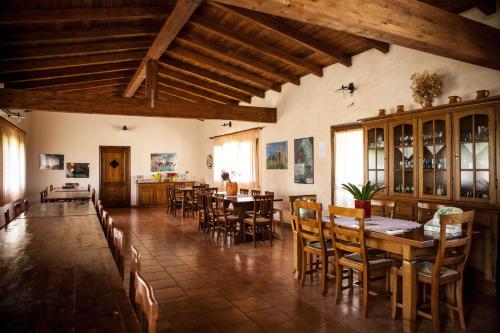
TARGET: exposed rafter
(408,23)
(174,23)
(83,103)
(167,82)
(288,32)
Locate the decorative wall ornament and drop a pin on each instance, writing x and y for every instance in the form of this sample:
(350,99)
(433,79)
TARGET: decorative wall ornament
(77,170)
(163,162)
(304,161)
(277,155)
(210,161)
(51,162)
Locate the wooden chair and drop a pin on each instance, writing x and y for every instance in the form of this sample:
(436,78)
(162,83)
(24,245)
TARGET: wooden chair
(109,231)
(42,196)
(212,190)
(255,193)
(244,191)
(89,188)
(135,267)
(279,222)
(26,204)
(175,202)
(405,210)
(226,221)
(426,211)
(146,304)
(261,223)
(315,241)
(97,204)
(118,250)
(350,253)
(447,269)
(211,210)
(199,209)
(17,209)
(384,208)
(93,196)
(51,188)
(104,220)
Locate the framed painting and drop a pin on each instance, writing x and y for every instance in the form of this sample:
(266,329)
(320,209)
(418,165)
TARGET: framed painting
(77,170)
(51,162)
(163,162)
(303,172)
(277,155)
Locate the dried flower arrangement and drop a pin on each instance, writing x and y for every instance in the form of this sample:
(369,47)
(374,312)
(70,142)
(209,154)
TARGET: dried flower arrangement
(425,87)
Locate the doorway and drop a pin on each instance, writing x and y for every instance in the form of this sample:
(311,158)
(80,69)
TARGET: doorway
(114,176)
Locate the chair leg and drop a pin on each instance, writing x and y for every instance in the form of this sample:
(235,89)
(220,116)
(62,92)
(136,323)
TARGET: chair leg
(311,263)
(304,269)
(271,232)
(450,295)
(254,236)
(435,308)
(394,292)
(243,229)
(364,301)
(338,282)
(349,280)
(324,277)
(460,305)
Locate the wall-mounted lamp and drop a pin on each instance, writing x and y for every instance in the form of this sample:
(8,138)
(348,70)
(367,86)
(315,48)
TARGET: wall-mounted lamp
(228,124)
(11,114)
(350,88)
(125,128)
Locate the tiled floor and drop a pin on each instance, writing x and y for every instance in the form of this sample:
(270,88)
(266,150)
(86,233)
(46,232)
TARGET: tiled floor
(204,286)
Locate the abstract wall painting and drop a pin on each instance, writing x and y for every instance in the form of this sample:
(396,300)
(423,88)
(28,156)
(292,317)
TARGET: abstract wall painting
(304,161)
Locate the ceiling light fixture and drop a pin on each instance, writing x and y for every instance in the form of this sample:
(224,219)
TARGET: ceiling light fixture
(228,124)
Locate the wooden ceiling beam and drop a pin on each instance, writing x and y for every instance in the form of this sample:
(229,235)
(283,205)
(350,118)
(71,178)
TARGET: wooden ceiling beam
(169,97)
(50,64)
(213,88)
(62,52)
(86,85)
(271,51)
(208,76)
(64,15)
(223,67)
(381,46)
(486,6)
(167,82)
(74,35)
(408,23)
(225,53)
(116,86)
(288,32)
(46,74)
(176,20)
(183,94)
(82,103)
(64,81)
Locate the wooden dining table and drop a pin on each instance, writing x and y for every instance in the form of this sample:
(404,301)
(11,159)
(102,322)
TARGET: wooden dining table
(68,196)
(409,245)
(58,275)
(70,189)
(54,209)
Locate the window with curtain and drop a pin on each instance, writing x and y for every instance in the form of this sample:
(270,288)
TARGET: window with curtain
(348,164)
(13,163)
(237,154)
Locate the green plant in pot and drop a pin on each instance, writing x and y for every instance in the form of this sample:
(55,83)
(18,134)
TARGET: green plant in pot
(363,196)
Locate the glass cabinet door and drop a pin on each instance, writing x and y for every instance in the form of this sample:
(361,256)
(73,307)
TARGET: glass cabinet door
(403,151)
(376,156)
(475,179)
(434,157)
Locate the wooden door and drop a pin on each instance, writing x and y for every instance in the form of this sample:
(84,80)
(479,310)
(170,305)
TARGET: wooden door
(474,136)
(402,152)
(376,155)
(114,178)
(434,158)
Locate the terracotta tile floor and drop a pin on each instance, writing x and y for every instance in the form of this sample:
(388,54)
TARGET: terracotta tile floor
(204,286)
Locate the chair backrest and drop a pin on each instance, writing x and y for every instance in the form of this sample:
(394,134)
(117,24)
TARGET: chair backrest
(198,187)
(51,188)
(263,206)
(213,189)
(220,207)
(26,204)
(89,187)
(254,193)
(426,211)
(453,251)
(268,192)
(348,240)
(309,228)
(188,184)
(93,196)
(405,210)
(383,208)
(17,209)
(302,197)
(118,250)
(109,231)
(104,219)
(135,266)
(146,304)
(100,209)
(244,191)
(42,196)
(6,216)
(200,199)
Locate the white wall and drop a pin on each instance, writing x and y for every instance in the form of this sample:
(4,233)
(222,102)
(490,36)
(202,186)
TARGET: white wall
(382,81)
(78,137)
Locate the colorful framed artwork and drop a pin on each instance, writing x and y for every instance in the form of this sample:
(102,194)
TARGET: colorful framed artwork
(277,155)
(77,170)
(163,162)
(51,162)
(303,172)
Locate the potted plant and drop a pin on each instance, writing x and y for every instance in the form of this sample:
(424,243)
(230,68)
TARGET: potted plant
(231,187)
(425,87)
(363,196)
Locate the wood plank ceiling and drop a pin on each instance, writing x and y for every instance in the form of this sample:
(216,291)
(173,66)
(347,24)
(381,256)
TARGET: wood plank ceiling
(222,55)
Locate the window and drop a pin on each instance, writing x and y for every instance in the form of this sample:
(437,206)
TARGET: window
(13,163)
(348,164)
(237,154)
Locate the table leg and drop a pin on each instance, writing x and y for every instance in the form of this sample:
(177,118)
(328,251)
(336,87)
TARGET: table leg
(409,289)
(297,255)
(183,203)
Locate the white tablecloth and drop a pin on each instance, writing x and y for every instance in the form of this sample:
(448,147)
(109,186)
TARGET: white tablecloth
(380,224)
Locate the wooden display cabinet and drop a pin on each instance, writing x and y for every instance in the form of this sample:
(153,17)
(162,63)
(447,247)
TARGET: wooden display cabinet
(402,161)
(376,155)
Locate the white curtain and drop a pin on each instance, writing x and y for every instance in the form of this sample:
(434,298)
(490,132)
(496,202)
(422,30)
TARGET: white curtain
(13,155)
(238,155)
(348,164)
